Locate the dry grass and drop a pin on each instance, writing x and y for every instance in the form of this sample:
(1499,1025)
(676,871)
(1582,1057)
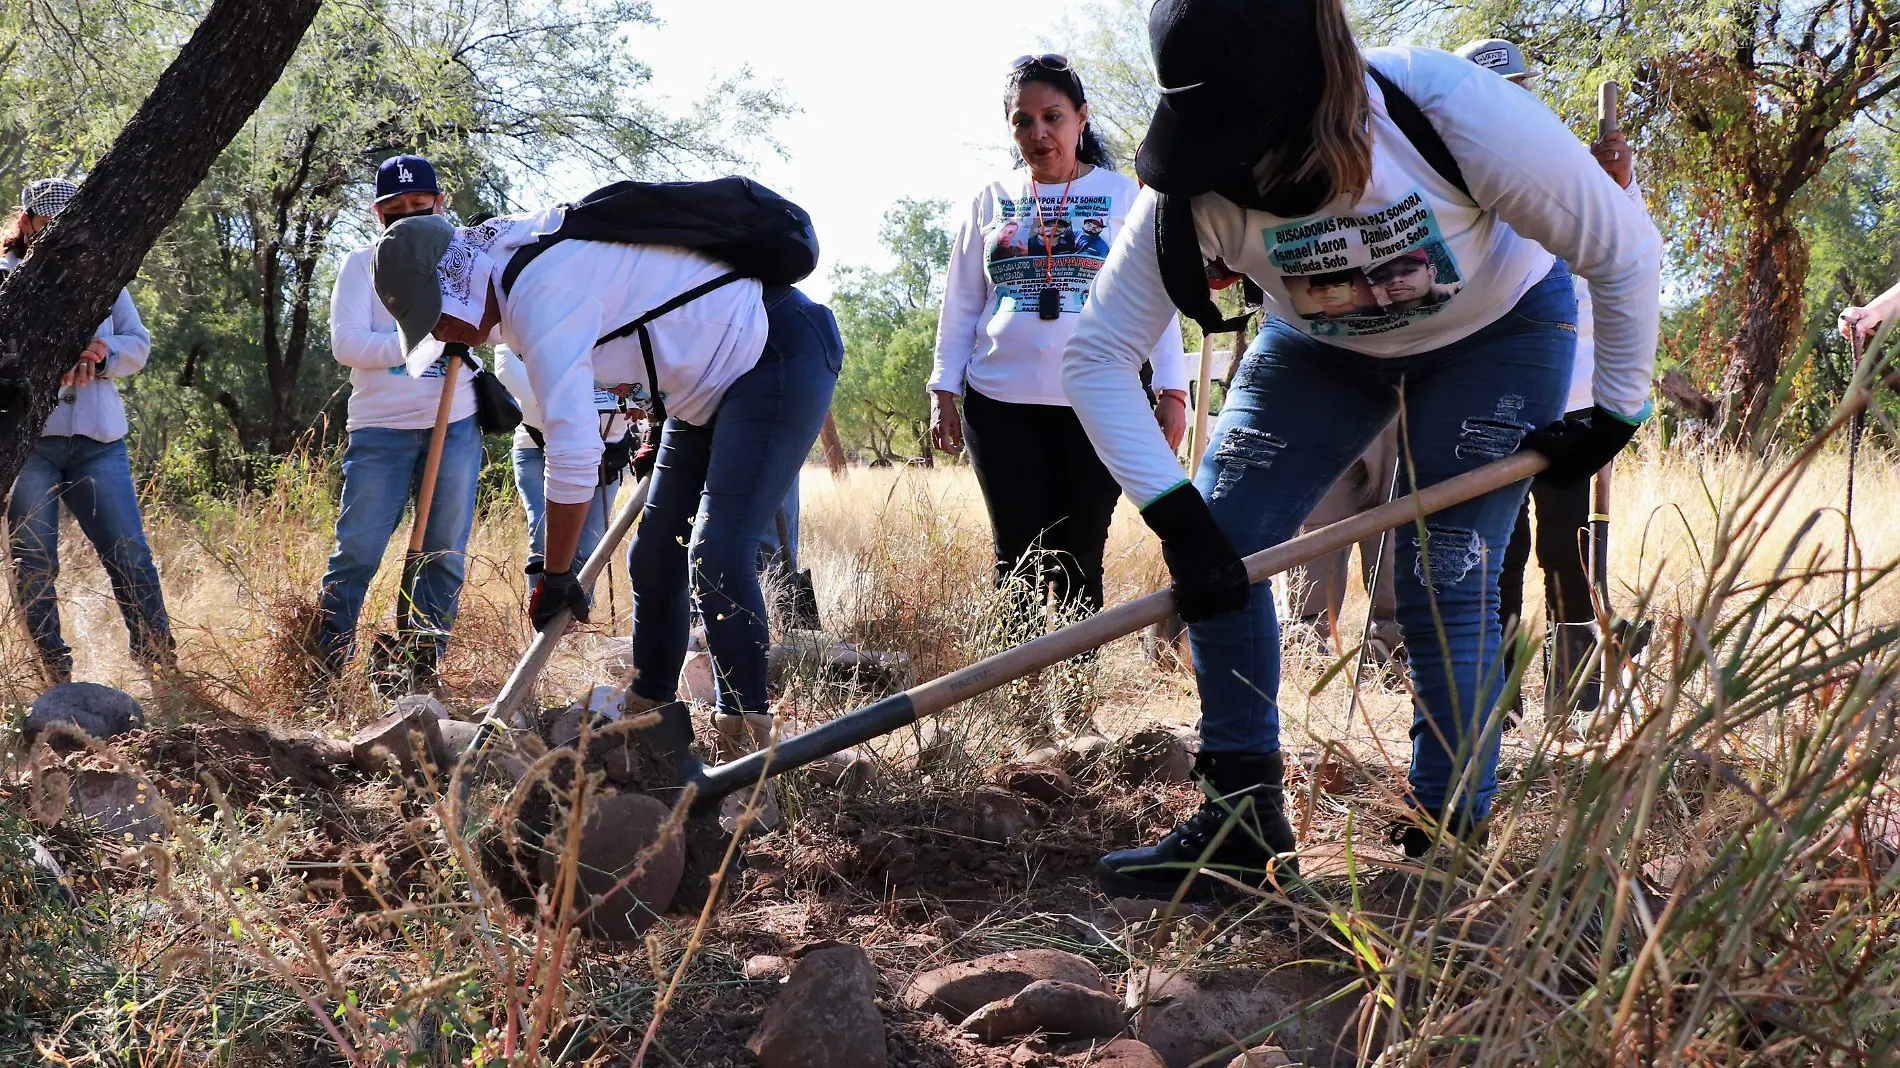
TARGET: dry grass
(1709,881)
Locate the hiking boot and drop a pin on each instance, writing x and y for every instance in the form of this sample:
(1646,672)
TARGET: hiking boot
(1419,831)
(733,737)
(1243,788)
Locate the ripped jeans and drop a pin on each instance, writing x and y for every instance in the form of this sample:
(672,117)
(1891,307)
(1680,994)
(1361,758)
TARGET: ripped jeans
(1298,414)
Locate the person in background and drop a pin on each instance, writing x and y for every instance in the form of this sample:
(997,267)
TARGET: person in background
(391,417)
(1263,157)
(80,459)
(1563,512)
(1317,591)
(1005,319)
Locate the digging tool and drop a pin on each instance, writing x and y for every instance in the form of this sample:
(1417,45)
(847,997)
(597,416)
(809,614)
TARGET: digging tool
(672,736)
(401,652)
(799,604)
(1204,381)
(1854,430)
(1607,124)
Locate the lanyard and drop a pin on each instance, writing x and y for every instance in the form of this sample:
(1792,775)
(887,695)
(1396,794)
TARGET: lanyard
(1048,240)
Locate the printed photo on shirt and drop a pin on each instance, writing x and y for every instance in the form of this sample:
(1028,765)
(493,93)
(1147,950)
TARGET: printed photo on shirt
(1355,275)
(1061,247)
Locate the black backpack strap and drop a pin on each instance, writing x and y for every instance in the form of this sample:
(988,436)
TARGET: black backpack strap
(655,406)
(1419,130)
(1184,269)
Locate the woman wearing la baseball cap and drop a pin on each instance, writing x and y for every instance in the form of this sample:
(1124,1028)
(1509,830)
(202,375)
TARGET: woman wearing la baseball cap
(1280,135)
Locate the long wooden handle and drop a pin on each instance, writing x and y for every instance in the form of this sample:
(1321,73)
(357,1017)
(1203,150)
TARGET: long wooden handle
(1206,374)
(1608,119)
(425,495)
(929,698)
(528,670)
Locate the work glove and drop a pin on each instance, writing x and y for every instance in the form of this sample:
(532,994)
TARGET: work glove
(1209,577)
(649,449)
(1579,444)
(558,590)
(616,457)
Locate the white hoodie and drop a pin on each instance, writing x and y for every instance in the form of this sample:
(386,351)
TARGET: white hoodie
(1539,189)
(95,409)
(363,339)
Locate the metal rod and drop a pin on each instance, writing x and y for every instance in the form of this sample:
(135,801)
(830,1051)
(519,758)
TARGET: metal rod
(929,698)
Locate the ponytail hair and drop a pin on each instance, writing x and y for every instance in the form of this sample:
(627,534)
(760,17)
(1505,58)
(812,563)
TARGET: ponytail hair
(1341,146)
(1092,150)
(12,241)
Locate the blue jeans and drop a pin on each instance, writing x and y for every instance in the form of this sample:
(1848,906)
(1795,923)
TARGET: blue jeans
(531,483)
(1298,414)
(382,470)
(718,488)
(94,479)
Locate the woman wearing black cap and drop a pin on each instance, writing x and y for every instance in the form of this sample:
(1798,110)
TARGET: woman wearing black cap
(1328,160)
(1017,282)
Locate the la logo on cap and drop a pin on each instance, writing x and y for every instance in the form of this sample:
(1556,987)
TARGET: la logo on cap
(403,175)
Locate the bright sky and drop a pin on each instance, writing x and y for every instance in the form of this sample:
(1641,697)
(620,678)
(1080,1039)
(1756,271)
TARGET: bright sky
(897,97)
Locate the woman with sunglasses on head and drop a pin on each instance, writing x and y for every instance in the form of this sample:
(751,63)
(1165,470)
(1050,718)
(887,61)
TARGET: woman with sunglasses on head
(1330,160)
(80,459)
(1018,280)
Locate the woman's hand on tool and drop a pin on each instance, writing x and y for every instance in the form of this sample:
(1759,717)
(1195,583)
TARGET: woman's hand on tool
(558,590)
(1171,413)
(1579,444)
(1209,577)
(946,427)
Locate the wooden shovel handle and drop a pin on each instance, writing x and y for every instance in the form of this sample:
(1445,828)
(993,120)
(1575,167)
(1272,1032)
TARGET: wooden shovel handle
(425,494)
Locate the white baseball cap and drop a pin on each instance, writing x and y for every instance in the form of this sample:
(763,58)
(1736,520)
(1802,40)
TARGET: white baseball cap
(1497,56)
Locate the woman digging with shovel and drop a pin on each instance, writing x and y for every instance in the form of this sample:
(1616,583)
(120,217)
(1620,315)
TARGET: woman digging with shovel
(1280,150)
(741,371)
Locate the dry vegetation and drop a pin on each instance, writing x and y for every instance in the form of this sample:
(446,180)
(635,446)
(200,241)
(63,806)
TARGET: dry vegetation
(1710,880)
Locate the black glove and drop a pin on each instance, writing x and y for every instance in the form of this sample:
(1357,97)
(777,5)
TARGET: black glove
(1209,577)
(649,449)
(558,590)
(1579,444)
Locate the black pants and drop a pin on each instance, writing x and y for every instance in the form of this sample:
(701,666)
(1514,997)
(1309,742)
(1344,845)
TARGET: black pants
(1045,490)
(1563,531)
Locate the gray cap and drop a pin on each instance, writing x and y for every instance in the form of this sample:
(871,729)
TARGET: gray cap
(1497,56)
(402,271)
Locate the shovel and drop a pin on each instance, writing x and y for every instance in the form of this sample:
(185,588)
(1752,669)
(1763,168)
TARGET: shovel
(798,598)
(398,659)
(672,735)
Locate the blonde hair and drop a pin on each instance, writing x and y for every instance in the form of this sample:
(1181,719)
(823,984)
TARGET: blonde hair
(1341,148)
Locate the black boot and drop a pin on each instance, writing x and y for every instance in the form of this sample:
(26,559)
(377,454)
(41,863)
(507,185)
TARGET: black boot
(1572,645)
(1245,789)
(1419,830)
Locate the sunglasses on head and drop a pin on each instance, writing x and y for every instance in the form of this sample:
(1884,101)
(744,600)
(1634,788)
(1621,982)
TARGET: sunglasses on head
(1048,61)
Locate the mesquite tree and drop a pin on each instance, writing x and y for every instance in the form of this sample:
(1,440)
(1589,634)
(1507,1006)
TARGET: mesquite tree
(50,304)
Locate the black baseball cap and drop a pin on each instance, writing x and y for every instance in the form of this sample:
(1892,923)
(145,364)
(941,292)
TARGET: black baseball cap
(1237,77)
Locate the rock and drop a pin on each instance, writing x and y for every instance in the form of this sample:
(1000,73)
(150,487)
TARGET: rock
(1157,754)
(395,736)
(825,1016)
(957,990)
(1084,756)
(850,772)
(600,705)
(1328,773)
(1041,781)
(48,877)
(1000,817)
(1126,1053)
(1048,754)
(458,737)
(100,712)
(124,806)
(1034,1053)
(1188,1022)
(618,828)
(1050,1007)
(614,658)
(696,680)
(1263,1057)
(938,747)
(765,966)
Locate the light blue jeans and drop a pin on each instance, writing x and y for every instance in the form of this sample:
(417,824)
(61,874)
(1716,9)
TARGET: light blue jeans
(94,479)
(717,489)
(531,484)
(382,470)
(1298,414)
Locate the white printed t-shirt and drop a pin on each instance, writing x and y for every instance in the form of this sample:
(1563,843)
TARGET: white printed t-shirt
(1409,267)
(363,338)
(990,335)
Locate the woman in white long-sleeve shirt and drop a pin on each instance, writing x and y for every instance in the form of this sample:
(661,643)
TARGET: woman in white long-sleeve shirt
(1020,270)
(80,459)
(1466,322)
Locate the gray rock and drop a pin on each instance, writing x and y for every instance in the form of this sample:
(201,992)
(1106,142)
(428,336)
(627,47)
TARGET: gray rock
(101,712)
(957,990)
(1263,1057)
(825,1016)
(126,807)
(407,737)
(1044,782)
(1126,1053)
(1049,1007)
(48,877)
(1001,816)
(458,737)
(1187,1022)
(766,966)
(1158,754)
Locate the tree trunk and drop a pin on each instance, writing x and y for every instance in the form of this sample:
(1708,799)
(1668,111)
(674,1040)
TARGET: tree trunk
(1775,270)
(834,448)
(50,305)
